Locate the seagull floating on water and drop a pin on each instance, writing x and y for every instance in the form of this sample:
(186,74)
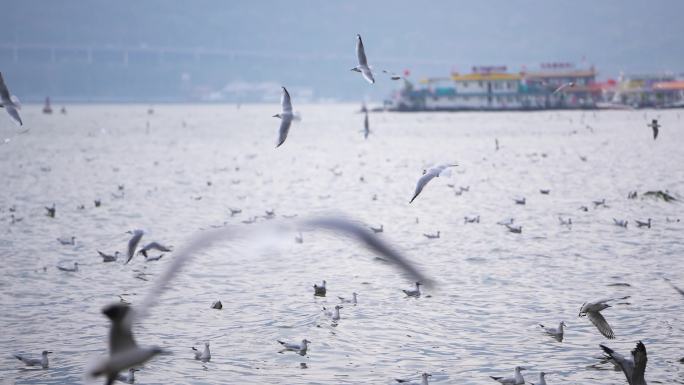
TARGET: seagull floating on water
(363,67)
(423,380)
(557,333)
(471,219)
(129,378)
(217,305)
(620,222)
(51,211)
(545,191)
(320,290)
(514,229)
(542,379)
(432,236)
(592,310)
(204,355)
(413,293)
(286,116)
(643,224)
(519,201)
(42,361)
(108,258)
(565,222)
(634,368)
(602,202)
(516,380)
(234,212)
(346,300)
(506,222)
(69,269)
(67,241)
(7,102)
(377,230)
(428,175)
(333,314)
(294,347)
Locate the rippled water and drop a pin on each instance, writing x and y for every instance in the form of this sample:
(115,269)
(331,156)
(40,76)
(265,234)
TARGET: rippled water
(493,287)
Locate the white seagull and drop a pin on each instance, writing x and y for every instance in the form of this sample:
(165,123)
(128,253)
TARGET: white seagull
(557,333)
(413,293)
(285,116)
(542,379)
(363,62)
(634,368)
(517,380)
(42,361)
(69,269)
(428,175)
(592,310)
(423,380)
(133,243)
(333,314)
(7,102)
(204,355)
(128,379)
(347,300)
(300,348)
(124,353)
(108,257)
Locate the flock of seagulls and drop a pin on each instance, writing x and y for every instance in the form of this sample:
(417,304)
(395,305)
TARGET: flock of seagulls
(126,356)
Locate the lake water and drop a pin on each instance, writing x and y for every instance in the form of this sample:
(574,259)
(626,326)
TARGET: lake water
(492,288)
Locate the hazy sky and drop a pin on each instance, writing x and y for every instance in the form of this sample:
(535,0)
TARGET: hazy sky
(309,45)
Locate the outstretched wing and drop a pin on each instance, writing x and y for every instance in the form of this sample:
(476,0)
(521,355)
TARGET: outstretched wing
(285,124)
(4,92)
(14,114)
(601,324)
(361,52)
(640,360)
(133,243)
(285,102)
(421,184)
(625,364)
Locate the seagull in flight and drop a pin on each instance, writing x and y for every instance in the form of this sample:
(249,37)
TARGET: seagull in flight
(363,62)
(654,125)
(7,102)
(563,86)
(133,243)
(592,310)
(428,175)
(516,380)
(42,361)
(286,116)
(634,368)
(124,352)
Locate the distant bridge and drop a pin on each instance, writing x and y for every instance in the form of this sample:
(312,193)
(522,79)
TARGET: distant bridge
(123,54)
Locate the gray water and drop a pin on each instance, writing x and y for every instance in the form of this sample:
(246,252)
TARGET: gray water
(493,287)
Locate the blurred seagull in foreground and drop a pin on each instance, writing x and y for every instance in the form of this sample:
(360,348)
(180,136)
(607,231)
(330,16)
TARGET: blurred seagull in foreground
(7,102)
(133,243)
(428,175)
(680,291)
(413,293)
(129,378)
(423,380)
(542,379)
(592,310)
(286,116)
(654,125)
(124,353)
(204,355)
(634,368)
(516,380)
(363,62)
(557,333)
(42,361)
